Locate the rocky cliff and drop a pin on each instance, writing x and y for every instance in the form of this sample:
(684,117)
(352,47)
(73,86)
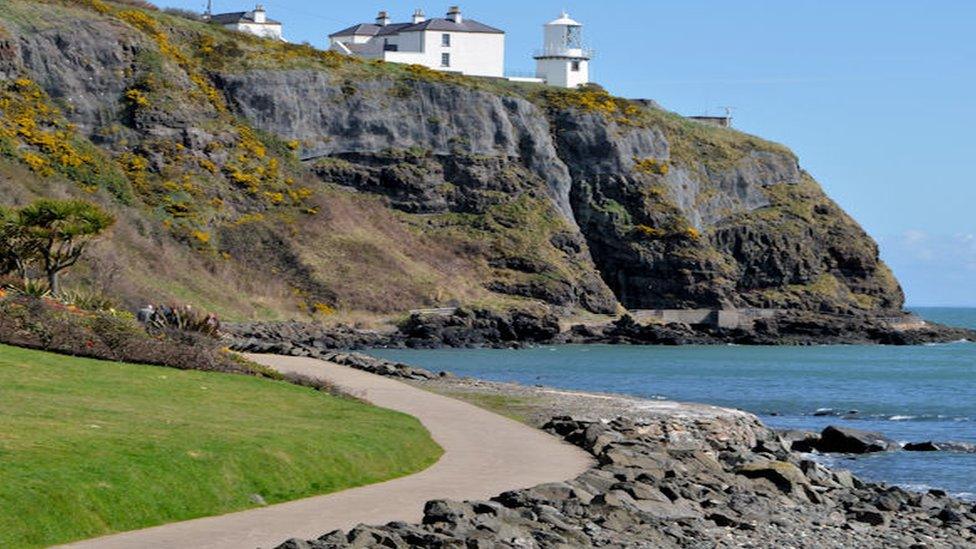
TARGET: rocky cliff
(261,178)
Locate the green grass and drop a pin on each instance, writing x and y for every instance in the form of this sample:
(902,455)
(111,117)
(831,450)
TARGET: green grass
(519,408)
(89,448)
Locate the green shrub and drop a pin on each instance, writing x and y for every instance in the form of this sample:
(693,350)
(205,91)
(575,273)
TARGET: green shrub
(89,300)
(50,325)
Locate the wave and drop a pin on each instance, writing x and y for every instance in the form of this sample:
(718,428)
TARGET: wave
(922,488)
(856,415)
(958,447)
(956,342)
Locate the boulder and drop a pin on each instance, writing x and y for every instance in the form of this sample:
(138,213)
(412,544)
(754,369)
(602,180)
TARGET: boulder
(869,516)
(800,441)
(641,491)
(614,498)
(296,543)
(668,510)
(818,474)
(949,516)
(722,519)
(843,440)
(845,479)
(649,462)
(888,502)
(450,512)
(927,446)
(784,475)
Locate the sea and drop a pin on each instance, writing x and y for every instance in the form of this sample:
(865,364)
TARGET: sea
(910,394)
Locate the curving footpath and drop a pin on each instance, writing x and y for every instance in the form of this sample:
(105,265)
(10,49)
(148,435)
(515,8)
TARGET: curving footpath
(484,454)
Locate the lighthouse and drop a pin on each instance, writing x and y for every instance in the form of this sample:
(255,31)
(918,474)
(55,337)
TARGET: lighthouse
(563,61)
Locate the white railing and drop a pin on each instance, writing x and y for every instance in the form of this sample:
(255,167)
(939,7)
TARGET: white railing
(565,52)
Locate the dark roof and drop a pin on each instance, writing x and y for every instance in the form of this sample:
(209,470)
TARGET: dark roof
(466,25)
(362,29)
(239,17)
(392,28)
(368,29)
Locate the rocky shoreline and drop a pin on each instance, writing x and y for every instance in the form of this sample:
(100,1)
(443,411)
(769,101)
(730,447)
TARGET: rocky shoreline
(673,475)
(483,328)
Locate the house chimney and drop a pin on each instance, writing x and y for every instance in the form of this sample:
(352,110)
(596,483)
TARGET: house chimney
(260,16)
(419,17)
(382,19)
(454,14)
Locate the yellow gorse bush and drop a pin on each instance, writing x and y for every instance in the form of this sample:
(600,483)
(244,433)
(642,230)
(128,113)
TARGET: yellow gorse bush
(168,177)
(37,133)
(150,26)
(650,166)
(646,231)
(596,100)
(137,98)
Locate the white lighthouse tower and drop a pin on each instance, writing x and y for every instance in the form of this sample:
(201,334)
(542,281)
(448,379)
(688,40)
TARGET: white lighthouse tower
(563,60)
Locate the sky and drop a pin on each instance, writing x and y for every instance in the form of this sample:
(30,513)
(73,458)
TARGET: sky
(876,97)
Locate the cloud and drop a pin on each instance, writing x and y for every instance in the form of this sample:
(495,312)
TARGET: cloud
(920,246)
(935,269)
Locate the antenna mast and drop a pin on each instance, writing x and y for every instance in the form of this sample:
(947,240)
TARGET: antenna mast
(209,11)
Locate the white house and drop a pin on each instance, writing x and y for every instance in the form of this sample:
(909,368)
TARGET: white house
(451,44)
(563,60)
(254,22)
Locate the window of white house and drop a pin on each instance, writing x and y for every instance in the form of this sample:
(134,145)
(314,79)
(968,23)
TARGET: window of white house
(445,60)
(576,66)
(446,40)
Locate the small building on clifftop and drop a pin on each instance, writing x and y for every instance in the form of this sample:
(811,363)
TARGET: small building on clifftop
(254,22)
(452,43)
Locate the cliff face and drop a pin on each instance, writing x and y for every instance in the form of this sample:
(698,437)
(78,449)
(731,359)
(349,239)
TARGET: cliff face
(317,172)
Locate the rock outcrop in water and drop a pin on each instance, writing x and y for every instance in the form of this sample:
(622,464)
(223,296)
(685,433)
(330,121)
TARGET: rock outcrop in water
(485,328)
(305,178)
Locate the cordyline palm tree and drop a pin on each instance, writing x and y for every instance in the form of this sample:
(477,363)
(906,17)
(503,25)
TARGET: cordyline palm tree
(56,232)
(16,249)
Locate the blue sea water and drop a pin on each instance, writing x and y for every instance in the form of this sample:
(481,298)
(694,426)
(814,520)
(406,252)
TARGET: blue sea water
(910,394)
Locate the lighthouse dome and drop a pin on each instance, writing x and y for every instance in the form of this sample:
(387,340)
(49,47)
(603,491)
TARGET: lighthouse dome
(563,21)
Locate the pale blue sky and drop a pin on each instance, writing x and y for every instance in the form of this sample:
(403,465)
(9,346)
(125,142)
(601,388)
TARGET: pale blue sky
(875,96)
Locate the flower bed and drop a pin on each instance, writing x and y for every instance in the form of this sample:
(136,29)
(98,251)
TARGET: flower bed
(49,325)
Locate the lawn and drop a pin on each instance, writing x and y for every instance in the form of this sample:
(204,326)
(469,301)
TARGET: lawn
(89,447)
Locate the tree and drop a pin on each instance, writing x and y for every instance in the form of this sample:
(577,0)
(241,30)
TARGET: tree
(57,232)
(17,250)
(6,256)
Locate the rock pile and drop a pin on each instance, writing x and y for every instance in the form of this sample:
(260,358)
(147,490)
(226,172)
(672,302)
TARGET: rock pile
(517,328)
(679,483)
(379,366)
(462,328)
(297,338)
(300,339)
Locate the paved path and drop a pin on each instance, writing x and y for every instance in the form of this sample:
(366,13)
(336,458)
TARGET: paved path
(484,454)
